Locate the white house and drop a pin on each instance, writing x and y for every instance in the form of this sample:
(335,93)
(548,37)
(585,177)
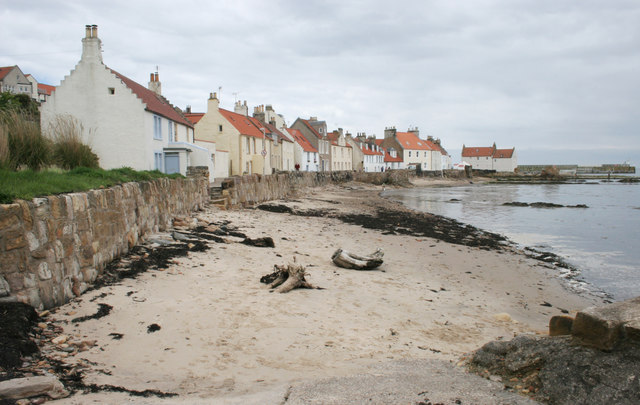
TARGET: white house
(490,158)
(307,158)
(125,123)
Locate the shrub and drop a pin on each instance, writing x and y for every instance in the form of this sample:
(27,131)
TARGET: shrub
(68,150)
(25,144)
(4,147)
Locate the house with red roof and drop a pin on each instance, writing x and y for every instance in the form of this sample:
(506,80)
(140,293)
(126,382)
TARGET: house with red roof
(415,152)
(316,133)
(124,123)
(341,151)
(392,160)
(306,155)
(490,158)
(12,80)
(283,157)
(249,149)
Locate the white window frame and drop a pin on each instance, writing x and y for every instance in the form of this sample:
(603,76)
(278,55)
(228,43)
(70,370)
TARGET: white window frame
(170,131)
(157,127)
(158,161)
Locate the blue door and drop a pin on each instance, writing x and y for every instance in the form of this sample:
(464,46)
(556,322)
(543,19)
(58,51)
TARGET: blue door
(171,163)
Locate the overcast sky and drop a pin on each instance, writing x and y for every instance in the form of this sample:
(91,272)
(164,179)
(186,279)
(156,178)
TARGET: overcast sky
(558,80)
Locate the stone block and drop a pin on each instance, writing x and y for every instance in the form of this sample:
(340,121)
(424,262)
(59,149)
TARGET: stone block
(604,327)
(9,215)
(14,240)
(44,272)
(560,325)
(32,386)
(27,219)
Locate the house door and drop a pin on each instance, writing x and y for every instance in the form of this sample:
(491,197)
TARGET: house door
(171,163)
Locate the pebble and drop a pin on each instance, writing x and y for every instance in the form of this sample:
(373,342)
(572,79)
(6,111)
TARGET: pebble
(60,339)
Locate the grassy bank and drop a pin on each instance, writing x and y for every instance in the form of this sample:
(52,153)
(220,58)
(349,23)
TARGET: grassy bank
(27,184)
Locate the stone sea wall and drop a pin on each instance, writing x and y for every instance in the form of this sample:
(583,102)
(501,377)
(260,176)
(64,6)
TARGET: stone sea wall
(52,248)
(253,189)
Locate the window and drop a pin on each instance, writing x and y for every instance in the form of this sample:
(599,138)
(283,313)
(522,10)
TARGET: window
(157,157)
(425,154)
(409,153)
(112,90)
(157,127)
(170,131)
(220,127)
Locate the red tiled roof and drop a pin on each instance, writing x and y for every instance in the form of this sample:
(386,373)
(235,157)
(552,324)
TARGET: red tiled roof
(242,123)
(368,151)
(194,117)
(379,141)
(472,151)
(302,141)
(5,71)
(503,153)
(389,158)
(46,89)
(409,140)
(155,103)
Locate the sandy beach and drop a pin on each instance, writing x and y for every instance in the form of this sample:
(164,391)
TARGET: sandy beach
(221,335)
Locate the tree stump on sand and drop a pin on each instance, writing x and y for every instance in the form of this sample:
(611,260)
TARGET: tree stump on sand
(286,278)
(347,260)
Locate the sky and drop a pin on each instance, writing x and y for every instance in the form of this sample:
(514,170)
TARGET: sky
(558,80)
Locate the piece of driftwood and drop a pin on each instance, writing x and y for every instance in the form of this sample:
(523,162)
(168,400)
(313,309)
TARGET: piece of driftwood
(286,278)
(347,260)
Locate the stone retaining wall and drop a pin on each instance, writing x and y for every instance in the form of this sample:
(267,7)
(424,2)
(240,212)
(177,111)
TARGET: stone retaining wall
(52,248)
(252,189)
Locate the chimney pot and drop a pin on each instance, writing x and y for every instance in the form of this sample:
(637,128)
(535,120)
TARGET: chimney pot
(87,31)
(152,77)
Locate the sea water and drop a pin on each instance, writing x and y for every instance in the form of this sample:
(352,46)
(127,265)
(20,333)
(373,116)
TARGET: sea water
(602,241)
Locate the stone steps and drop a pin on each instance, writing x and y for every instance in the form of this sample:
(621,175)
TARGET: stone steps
(217,198)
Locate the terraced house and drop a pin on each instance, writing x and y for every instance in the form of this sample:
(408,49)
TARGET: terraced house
(415,152)
(125,123)
(316,133)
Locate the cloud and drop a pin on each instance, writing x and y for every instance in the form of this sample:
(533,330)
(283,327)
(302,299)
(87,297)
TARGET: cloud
(528,73)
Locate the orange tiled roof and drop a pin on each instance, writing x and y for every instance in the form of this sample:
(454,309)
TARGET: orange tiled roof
(302,141)
(194,117)
(369,151)
(154,102)
(409,140)
(503,153)
(472,151)
(46,89)
(242,123)
(389,158)
(5,71)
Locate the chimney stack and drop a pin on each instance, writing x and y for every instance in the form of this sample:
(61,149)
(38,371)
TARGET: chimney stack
(154,84)
(91,45)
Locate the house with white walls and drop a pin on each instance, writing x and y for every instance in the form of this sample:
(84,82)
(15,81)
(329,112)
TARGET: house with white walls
(490,158)
(125,124)
(307,158)
(415,152)
(241,136)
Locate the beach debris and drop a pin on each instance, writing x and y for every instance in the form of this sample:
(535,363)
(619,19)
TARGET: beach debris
(266,241)
(103,310)
(287,278)
(347,260)
(154,327)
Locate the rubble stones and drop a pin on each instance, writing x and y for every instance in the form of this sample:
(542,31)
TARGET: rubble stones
(32,386)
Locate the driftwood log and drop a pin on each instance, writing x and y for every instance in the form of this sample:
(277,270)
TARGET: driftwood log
(347,260)
(287,278)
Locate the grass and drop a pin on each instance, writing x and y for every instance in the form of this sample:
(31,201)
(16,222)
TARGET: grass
(27,184)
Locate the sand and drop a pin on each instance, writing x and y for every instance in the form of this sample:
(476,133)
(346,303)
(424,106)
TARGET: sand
(224,335)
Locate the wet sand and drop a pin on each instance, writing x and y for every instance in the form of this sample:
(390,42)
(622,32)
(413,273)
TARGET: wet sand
(220,335)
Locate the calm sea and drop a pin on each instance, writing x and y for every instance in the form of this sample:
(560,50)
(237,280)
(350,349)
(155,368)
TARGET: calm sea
(602,241)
